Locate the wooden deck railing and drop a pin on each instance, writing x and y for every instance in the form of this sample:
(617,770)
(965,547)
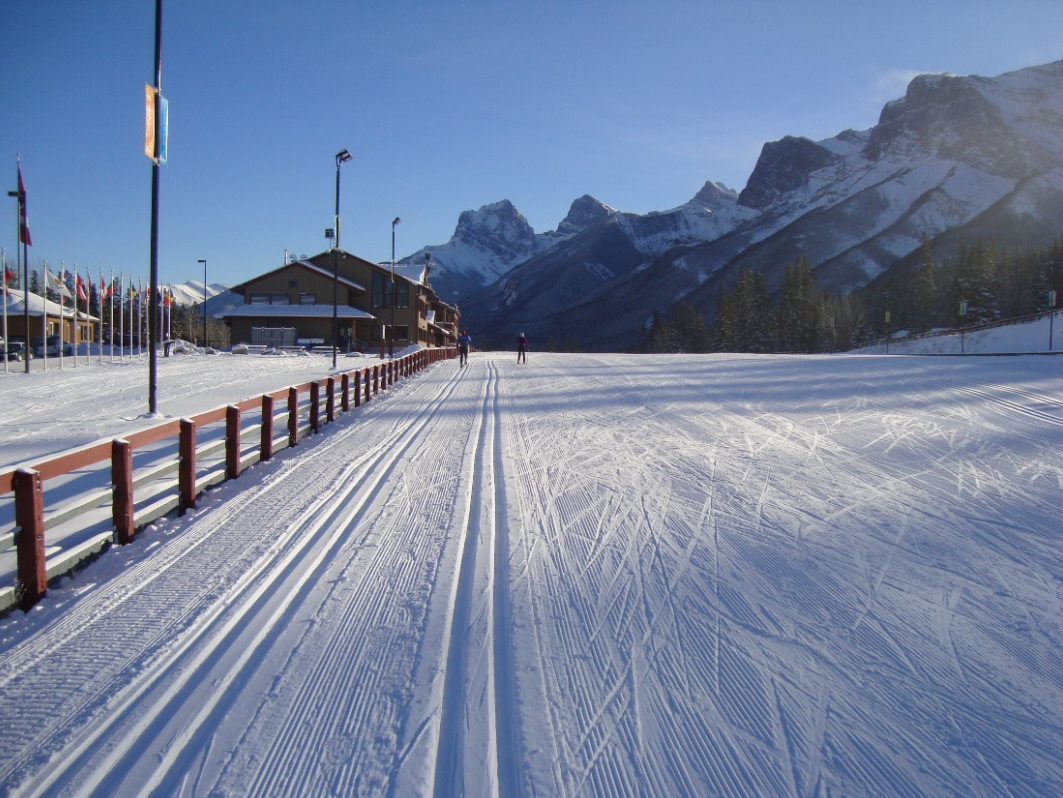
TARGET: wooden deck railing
(109,489)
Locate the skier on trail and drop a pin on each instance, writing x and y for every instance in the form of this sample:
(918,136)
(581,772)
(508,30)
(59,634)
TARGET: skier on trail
(464,342)
(522,349)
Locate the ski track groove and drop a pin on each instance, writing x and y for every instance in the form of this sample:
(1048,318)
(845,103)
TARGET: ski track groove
(697,624)
(173,660)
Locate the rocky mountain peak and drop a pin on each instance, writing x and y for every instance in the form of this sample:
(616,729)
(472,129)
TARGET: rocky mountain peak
(715,196)
(783,166)
(584,212)
(499,221)
(952,118)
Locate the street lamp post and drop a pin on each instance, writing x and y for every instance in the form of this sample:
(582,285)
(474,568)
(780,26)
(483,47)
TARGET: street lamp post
(204,302)
(394,291)
(341,157)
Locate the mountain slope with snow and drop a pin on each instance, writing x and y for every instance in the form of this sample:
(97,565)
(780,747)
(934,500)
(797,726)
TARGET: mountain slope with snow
(956,157)
(191,292)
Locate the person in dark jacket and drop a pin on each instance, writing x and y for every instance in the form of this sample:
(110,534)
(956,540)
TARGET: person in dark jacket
(464,342)
(522,349)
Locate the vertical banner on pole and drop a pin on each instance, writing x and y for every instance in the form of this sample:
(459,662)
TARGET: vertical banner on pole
(149,121)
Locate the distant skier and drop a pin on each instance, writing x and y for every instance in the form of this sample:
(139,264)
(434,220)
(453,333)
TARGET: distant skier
(522,349)
(464,342)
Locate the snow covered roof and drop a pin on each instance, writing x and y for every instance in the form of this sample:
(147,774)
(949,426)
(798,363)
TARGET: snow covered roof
(296,312)
(39,306)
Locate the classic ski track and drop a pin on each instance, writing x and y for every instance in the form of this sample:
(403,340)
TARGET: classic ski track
(700,624)
(478,677)
(227,618)
(335,692)
(1009,406)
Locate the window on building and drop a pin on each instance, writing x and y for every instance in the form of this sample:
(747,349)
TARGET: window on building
(381,290)
(265,298)
(307,299)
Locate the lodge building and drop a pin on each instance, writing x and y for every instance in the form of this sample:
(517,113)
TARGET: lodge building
(293,305)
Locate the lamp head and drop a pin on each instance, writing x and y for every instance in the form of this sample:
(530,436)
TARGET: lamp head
(396,221)
(342,157)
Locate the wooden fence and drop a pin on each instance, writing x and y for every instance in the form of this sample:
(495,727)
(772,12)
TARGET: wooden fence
(109,489)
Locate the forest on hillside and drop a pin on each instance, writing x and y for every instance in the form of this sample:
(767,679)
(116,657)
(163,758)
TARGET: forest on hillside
(982,282)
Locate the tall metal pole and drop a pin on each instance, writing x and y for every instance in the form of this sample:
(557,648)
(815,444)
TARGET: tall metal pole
(336,269)
(21,238)
(341,157)
(153,325)
(394,292)
(204,302)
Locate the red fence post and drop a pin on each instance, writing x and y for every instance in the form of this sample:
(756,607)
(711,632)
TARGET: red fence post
(330,400)
(122,501)
(345,388)
(266,445)
(368,394)
(376,379)
(293,416)
(315,405)
(29,515)
(357,389)
(232,442)
(186,470)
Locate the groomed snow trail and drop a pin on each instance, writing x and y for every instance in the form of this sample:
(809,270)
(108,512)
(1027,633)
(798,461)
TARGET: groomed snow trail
(593,575)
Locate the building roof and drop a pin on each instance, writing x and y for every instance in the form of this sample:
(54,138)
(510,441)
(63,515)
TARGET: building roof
(296,312)
(305,264)
(39,306)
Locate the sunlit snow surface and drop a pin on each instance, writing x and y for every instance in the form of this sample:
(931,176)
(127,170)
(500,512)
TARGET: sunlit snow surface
(591,575)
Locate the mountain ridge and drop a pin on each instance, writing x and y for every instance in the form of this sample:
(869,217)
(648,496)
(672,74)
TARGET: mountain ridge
(955,156)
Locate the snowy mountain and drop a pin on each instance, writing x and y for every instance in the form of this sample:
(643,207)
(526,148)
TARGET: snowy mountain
(488,242)
(956,157)
(191,292)
(219,297)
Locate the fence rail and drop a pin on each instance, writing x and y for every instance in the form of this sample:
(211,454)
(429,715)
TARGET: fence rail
(973,328)
(107,490)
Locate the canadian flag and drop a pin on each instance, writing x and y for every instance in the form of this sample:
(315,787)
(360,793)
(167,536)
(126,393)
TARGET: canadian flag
(82,296)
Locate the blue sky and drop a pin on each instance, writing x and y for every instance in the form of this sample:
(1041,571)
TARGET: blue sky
(445,106)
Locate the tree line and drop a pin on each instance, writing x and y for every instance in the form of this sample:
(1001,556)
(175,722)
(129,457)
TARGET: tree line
(983,281)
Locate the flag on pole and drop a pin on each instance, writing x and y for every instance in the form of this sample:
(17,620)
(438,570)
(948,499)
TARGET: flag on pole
(23,225)
(82,294)
(56,284)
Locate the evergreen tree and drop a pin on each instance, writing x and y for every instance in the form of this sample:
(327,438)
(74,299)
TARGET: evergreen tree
(746,320)
(689,331)
(976,284)
(924,289)
(796,316)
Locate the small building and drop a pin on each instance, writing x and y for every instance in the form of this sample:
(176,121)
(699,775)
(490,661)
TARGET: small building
(372,309)
(47,318)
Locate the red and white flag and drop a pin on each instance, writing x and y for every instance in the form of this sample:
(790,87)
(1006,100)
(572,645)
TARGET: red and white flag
(82,295)
(23,225)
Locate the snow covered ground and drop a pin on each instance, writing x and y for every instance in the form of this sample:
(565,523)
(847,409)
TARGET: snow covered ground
(1041,335)
(594,575)
(65,406)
